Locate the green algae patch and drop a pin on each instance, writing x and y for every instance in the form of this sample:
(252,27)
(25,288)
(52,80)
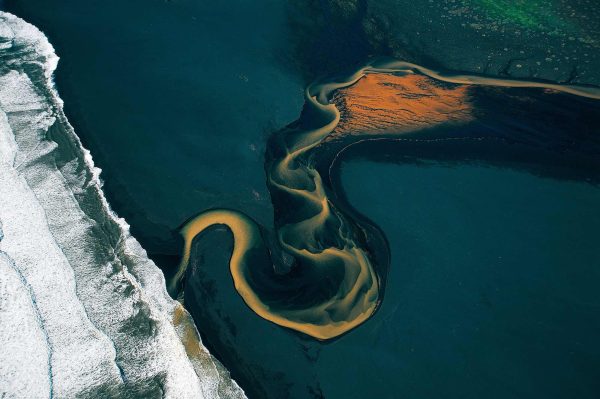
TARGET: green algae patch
(534,15)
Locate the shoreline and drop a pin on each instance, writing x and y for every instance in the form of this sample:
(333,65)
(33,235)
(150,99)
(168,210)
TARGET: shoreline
(95,174)
(108,280)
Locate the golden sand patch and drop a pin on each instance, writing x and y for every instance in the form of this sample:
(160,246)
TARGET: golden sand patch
(386,103)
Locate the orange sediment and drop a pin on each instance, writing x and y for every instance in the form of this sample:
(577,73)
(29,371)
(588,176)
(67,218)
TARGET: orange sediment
(384,103)
(382,98)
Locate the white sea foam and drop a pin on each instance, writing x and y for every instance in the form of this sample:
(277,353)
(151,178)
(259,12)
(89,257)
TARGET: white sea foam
(83,311)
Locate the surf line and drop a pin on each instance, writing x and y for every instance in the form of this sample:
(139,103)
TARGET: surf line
(319,236)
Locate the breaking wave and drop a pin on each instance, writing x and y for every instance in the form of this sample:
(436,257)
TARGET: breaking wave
(83,311)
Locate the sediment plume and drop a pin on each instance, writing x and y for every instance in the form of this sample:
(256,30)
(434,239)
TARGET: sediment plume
(337,278)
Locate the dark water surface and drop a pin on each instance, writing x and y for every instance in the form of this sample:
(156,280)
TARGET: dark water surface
(492,289)
(492,292)
(173,102)
(493,229)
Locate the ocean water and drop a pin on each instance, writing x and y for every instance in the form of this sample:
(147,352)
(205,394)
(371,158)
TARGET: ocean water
(494,260)
(174,103)
(84,312)
(492,287)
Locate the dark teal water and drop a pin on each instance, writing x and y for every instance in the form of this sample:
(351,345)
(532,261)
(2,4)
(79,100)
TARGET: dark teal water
(492,287)
(492,290)
(175,100)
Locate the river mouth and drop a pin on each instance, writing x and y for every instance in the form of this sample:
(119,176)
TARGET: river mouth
(499,211)
(166,157)
(336,276)
(480,258)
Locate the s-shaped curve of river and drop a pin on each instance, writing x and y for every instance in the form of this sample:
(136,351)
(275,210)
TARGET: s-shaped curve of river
(334,284)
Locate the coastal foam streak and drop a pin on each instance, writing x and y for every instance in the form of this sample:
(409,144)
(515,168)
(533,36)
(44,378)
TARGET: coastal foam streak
(83,311)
